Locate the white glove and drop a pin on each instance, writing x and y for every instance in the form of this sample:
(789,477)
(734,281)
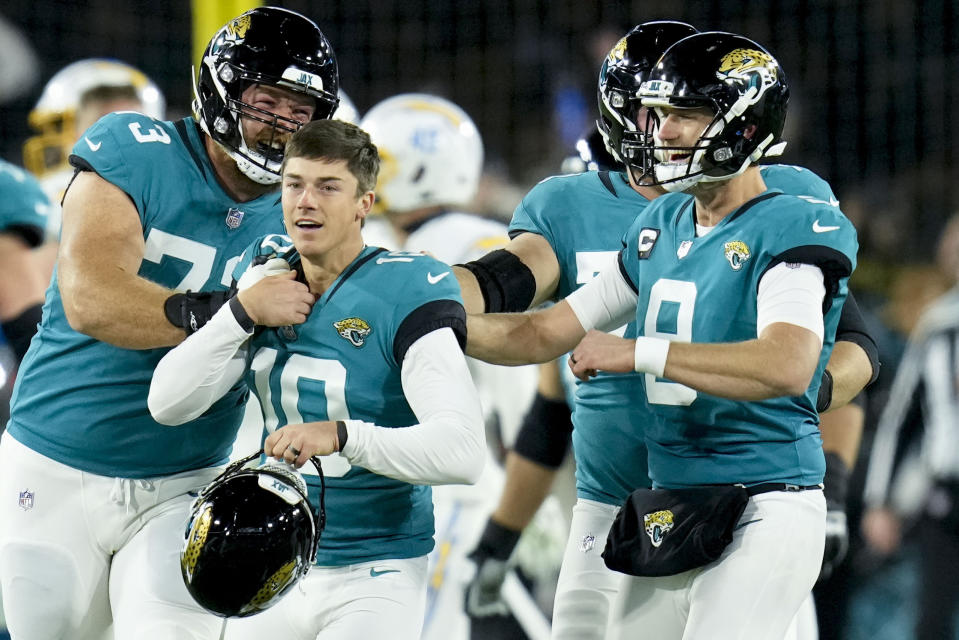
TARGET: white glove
(256,272)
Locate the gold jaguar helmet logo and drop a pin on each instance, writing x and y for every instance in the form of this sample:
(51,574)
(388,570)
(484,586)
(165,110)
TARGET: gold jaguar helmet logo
(237,28)
(356,330)
(757,68)
(618,52)
(658,524)
(737,253)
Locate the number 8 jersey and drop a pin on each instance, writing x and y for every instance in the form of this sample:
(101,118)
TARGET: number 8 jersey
(83,402)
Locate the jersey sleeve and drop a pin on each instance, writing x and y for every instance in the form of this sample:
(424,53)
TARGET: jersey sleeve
(819,235)
(125,149)
(431,300)
(527,217)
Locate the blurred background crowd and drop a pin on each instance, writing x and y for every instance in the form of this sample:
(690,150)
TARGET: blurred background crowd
(872,111)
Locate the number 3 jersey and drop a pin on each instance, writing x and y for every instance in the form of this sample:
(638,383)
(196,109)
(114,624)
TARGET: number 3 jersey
(344,363)
(704,289)
(83,402)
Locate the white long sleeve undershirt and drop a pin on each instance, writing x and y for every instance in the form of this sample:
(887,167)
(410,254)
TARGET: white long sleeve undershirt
(448,445)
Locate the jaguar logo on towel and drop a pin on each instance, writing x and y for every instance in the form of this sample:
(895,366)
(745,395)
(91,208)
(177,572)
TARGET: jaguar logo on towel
(658,524)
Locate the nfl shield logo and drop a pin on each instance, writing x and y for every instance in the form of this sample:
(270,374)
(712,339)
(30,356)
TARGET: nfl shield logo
(234,217)
(26,500)
(684,248)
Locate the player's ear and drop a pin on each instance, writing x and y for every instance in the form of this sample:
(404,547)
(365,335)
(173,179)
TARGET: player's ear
(364,205)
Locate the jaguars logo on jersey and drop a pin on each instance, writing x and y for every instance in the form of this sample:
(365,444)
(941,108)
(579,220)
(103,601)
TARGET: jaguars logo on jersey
(658,524)
(737,253)
(356,330)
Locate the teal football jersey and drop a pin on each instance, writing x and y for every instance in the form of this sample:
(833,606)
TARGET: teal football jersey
(583,217)
(24,207)
(704,289)
(344,363)
(83,402)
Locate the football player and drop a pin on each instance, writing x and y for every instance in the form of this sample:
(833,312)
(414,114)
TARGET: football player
(557,245)
(432,155)
(24,214)
(372,377)
(736,294)
(157,211)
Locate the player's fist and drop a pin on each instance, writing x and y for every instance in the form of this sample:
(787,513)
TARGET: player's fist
(490,557)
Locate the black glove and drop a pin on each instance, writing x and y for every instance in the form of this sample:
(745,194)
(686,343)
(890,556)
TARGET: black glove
(193,309)
(491,557)
(836,484)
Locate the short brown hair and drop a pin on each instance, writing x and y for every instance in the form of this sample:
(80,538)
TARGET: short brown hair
(334,140)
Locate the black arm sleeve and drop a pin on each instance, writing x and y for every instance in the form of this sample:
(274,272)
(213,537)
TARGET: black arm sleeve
(429,317)
(544,437)
(505,281)
(852,328)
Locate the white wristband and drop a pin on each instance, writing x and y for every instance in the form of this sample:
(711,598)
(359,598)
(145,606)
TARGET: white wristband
(650,355)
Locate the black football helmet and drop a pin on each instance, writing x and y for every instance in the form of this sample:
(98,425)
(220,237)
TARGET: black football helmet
(624,70)
(266,45)
(741,83)
(252,535)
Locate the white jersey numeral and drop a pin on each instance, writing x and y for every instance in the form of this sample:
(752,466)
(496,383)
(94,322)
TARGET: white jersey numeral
(682,294)
(200,256)
(299,367)
(153,134)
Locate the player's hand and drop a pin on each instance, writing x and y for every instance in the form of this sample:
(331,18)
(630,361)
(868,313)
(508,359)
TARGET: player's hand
(600,351)
(277,301)
(490,557)
(484,591)
(297,443)
(835,486)
(256,272)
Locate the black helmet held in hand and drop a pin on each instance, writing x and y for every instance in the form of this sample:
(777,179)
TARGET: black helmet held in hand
(252,535)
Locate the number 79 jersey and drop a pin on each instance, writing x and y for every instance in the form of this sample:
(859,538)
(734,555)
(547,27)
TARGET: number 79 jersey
(344,363)
(83,402)
(704,289)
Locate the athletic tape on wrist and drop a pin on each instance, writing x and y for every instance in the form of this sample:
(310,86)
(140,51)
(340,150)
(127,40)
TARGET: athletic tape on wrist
(650,355)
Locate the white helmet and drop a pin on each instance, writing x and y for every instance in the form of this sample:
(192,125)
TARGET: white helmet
(430,152)
(54,116)
(346,111)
